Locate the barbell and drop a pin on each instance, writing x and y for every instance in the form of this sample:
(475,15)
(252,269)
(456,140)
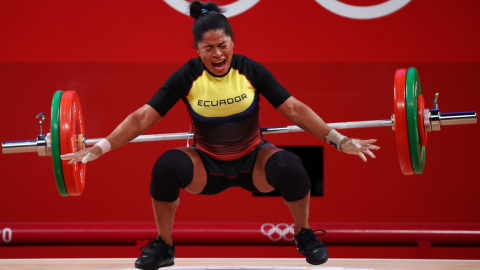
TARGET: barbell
(410,121)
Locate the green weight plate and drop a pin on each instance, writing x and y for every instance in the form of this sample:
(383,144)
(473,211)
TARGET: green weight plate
(412,91)
(55,136)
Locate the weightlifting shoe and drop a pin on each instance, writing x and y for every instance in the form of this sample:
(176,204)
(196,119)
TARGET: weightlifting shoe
(155,254)
(311,247)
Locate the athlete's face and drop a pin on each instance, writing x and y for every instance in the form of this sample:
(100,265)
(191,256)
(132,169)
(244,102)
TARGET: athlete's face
(216,51)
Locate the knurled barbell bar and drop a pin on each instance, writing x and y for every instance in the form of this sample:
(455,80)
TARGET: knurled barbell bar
(411,122)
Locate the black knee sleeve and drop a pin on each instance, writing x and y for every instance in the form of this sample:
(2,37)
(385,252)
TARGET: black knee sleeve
(285,172)
(172,171)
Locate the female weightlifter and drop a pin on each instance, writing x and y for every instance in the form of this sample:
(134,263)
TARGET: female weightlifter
(222,92)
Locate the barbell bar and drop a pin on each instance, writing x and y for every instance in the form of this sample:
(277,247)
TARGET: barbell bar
(411,122)
(43,142)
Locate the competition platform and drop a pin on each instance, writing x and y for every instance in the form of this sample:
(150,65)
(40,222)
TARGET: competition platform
(243,263)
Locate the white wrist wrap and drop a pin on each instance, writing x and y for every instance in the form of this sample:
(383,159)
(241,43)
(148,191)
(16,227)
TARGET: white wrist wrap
(105,145)
(335,139)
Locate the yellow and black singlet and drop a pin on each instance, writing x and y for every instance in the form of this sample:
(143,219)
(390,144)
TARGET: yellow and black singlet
(224,110)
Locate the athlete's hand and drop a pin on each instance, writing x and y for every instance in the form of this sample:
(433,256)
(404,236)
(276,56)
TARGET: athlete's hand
(359,147)
(84,155)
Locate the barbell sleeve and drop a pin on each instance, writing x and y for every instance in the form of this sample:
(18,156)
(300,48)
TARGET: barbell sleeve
(458,118)
(19,147)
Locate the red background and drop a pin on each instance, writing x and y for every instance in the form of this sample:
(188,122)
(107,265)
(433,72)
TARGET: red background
(116,54)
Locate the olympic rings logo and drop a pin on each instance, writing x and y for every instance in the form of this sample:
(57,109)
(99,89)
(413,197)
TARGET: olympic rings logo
(335,6)
(279,231)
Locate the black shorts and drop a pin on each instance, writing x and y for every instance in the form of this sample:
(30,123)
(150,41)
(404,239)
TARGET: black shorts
(235,173)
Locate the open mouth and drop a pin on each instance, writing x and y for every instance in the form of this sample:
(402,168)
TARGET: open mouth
(219,64)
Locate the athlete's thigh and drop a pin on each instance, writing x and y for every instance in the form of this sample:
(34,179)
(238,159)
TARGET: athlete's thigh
(199,173)
(258,174)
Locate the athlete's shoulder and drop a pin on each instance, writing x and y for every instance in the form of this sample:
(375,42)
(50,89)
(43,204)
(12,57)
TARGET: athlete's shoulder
(194,66)
(246,66)
(182,79)
(189,71)
(253,70)
(195,62)
(243,61)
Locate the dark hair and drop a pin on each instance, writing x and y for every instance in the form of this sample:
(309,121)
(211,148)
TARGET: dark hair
(213,19)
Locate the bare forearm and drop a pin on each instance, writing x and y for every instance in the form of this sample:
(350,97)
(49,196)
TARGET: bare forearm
(309,121)
(129,129)
(304,117)
(134,125)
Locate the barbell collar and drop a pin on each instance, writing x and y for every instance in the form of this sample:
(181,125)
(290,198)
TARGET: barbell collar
(426,120)
(435,119)
(42,145)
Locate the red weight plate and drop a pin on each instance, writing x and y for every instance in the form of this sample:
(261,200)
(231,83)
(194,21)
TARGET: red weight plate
(71,126)
(401,130)
(421,129)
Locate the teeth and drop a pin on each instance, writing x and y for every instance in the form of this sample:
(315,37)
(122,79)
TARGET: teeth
(219,62)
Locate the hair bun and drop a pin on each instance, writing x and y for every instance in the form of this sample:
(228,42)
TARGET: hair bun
(196,8)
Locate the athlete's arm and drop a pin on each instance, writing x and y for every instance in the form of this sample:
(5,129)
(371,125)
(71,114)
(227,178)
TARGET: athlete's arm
(304,117)
(135,124)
